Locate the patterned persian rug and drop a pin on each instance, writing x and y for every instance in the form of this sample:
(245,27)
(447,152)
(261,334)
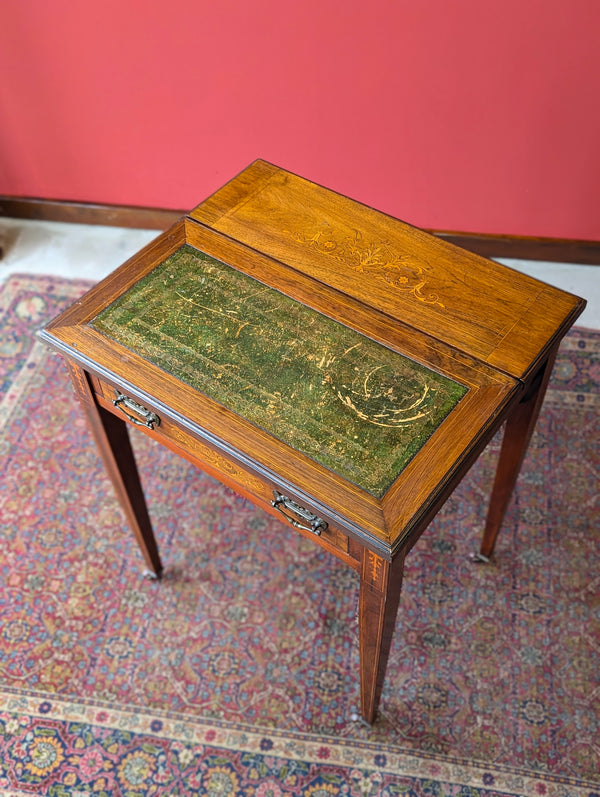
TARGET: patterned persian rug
(237,673)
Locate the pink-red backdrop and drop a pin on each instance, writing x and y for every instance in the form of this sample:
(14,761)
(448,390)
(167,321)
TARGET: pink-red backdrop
(472,115)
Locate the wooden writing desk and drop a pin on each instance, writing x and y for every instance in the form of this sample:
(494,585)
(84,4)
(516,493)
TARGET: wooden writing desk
(337,367)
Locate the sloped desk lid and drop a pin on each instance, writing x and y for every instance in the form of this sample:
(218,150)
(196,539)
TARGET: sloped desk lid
(487,310)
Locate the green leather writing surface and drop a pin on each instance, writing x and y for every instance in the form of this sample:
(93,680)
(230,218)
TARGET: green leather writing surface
(353,405)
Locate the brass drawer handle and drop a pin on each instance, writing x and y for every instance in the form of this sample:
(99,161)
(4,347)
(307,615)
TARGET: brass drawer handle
(147,418)
(307,521)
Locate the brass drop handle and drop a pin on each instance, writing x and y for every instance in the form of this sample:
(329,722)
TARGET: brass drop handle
(146,417)
(301,517)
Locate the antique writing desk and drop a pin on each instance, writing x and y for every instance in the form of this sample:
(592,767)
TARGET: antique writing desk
(336,366)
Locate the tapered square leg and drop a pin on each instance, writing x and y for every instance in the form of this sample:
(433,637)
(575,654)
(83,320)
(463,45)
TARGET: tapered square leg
(380,587)
(517,434)
(114,446)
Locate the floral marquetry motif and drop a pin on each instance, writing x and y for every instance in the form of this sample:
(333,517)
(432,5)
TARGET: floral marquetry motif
(374,571)
(375,259)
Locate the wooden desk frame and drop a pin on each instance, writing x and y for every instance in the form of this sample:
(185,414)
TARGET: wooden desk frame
(372,537)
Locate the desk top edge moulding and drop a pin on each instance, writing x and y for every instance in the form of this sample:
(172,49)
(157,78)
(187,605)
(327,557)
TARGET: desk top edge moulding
(337,367)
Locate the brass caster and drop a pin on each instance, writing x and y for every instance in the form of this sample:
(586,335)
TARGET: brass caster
(479,559)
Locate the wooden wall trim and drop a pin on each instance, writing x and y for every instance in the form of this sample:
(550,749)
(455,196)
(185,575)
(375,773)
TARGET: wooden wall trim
(89,213)
(558,250)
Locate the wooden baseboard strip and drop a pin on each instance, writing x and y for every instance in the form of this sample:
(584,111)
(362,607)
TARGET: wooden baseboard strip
(558,250)
(89,213)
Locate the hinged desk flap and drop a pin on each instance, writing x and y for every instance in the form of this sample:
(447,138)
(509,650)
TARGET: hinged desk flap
(487,310)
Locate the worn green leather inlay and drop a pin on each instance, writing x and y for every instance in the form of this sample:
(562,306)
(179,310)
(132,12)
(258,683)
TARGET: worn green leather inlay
(353,405)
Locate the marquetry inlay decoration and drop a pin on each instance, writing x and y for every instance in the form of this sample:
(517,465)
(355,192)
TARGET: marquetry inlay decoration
(375,259)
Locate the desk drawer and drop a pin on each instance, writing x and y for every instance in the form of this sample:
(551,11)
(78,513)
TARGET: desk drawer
(265,493)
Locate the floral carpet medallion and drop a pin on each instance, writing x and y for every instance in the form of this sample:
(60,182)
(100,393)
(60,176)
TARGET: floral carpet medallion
(237,675)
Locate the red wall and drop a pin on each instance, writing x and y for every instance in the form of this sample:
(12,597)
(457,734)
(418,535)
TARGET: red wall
(473,115)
